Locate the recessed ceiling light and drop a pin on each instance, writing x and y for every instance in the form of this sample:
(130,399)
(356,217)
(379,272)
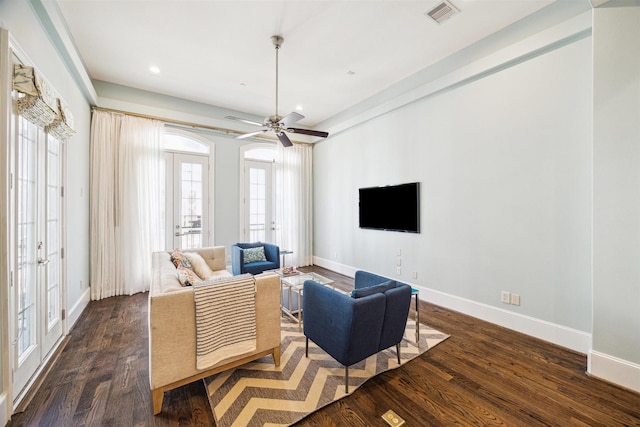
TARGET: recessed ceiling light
(154,70)
(299,107)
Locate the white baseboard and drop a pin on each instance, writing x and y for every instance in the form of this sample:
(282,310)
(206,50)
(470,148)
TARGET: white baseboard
(77,309)
(541,329)
(335,266)
(547,331)
(4,410)
(614,370)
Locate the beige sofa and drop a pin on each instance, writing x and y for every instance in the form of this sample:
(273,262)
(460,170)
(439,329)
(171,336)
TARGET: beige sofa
(172,328)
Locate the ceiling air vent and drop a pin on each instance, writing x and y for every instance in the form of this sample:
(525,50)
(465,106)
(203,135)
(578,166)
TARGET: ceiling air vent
(442,12)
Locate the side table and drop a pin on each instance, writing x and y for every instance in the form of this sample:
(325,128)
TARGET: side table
(291,284)
(284,255)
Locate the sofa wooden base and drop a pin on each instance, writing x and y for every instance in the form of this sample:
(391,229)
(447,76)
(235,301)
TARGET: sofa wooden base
(158,394)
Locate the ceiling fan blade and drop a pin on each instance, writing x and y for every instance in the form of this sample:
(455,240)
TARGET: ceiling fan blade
(319,133)
(284,139)
(251,122)
(290,119)
(249,135)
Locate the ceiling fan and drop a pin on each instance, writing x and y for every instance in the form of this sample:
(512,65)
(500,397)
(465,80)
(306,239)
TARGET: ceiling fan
(276,123)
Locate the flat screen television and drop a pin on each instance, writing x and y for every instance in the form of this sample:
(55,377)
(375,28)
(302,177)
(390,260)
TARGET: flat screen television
(391,207)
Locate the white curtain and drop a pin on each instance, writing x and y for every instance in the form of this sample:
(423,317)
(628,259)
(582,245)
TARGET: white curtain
(126,202)
(294,203)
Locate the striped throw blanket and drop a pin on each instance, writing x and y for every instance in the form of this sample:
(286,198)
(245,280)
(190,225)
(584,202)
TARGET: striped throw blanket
(225,319)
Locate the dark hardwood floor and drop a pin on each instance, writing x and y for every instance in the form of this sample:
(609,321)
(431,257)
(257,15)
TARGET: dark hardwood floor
(482,375)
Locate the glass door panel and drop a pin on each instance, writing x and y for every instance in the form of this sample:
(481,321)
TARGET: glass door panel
(50,256)
(258,206)
(190,214)
(27,356)
(187,201)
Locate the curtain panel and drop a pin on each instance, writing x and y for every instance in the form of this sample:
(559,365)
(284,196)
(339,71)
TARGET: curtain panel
(126,202)
(294,202)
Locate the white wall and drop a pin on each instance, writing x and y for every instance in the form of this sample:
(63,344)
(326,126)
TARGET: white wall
(505,163)
(616,258)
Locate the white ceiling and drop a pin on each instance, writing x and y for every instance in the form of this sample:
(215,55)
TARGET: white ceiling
(220,52)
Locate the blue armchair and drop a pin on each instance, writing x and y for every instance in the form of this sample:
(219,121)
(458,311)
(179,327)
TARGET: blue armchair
(239,265)
(352,328)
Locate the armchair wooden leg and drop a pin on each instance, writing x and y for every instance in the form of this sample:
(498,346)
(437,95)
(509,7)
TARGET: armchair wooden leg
(156,396)
(306,348)
(398,352)
(346,380)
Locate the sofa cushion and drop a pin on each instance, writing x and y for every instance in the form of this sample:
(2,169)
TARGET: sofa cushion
(186,276)
(215,257)
(199,265)
(254,255)
(218,274)
(370,290)
(222,279)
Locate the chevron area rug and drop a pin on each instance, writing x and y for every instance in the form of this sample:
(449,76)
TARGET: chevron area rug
(258,393)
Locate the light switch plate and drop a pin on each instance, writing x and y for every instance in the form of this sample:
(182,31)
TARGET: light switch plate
(515,299)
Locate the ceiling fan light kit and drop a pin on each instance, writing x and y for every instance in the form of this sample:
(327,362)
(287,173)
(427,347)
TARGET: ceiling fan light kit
(277,124)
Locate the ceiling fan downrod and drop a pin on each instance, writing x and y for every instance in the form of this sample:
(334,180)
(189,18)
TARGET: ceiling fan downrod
(277,42)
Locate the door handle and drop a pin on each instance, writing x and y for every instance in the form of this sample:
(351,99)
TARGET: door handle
(43,262)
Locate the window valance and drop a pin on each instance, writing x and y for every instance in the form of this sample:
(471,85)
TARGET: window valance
(62,125)
(38,102)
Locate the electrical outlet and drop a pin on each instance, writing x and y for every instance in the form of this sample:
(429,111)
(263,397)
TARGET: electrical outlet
(505,297)
(515,299)
(392,419)
(398,270)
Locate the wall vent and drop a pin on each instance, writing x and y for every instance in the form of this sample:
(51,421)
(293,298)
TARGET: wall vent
(442,12)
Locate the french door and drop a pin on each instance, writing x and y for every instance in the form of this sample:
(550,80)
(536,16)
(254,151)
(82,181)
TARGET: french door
(36,290)
(187,201)
(259,224)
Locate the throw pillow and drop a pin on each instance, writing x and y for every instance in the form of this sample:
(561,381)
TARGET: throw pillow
(370,290)
(199,265)
(254,255)
(178,258)
(187,277)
